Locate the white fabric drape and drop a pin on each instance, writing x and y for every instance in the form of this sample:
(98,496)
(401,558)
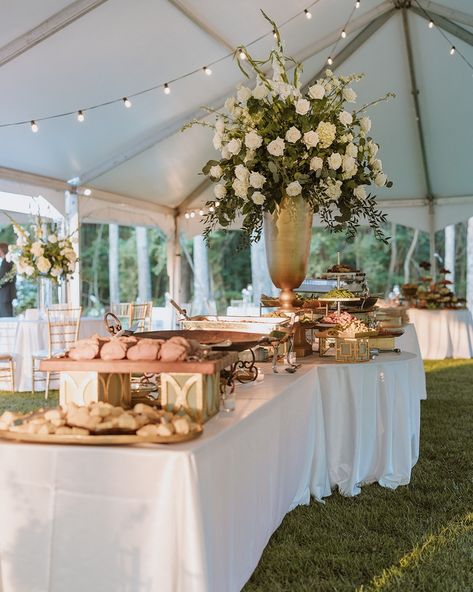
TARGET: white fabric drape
(443,333)
(196,517)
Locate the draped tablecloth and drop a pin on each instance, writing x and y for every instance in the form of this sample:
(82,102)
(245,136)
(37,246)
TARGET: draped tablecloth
(443,333)
(23,337)
(196,517)
(409,342)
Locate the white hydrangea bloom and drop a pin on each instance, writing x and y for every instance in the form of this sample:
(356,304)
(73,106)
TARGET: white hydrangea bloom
(326,132)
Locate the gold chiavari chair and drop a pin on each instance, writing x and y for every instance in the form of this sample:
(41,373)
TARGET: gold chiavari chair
(63,331)
(8,331)
(133,315)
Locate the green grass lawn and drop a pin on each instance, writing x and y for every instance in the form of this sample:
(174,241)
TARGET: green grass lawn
(417,538)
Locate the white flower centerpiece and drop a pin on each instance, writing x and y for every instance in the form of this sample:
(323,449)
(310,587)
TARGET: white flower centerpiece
(278,141)
(40,253)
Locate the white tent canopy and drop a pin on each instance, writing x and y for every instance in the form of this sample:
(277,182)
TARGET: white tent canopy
(60,56)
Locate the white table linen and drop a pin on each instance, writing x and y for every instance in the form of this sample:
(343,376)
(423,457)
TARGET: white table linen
(409,342)
(443,333)
(196,517)
(23,337)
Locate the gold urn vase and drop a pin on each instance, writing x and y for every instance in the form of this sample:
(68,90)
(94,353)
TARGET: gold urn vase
(287,233)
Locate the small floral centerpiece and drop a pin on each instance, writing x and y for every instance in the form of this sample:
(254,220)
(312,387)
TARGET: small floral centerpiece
(280,140)
(41,252)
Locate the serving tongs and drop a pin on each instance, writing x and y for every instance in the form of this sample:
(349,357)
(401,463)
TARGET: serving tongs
(180,310)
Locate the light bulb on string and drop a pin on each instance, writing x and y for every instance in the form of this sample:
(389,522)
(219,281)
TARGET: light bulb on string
(211,209)
(192,214)
(329,61)
(127,102)
(275,35)
(80,116)
(242,55)
(167,89)
(87,192)
(201,212)
(207,70)
(187,215)
(34,126)
(452,50)
(344,34)
(308,14)
(357,4)
(217,203)
(431,24)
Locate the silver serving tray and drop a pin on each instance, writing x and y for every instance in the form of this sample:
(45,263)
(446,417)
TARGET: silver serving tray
(261,325)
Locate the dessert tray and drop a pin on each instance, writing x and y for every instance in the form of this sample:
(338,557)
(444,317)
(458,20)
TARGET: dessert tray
(99,440)
(261,325)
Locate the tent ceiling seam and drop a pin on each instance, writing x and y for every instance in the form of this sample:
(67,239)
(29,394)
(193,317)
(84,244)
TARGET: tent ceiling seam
(447,25)
(47,28)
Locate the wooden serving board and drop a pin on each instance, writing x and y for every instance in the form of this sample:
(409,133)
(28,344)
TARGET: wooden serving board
(129,366)
(108,440)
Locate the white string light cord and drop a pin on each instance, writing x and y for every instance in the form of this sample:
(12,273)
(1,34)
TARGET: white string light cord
(343,33)
(166,86)
(431,24)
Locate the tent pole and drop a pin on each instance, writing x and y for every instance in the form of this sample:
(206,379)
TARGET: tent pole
(73,228)
(174,266)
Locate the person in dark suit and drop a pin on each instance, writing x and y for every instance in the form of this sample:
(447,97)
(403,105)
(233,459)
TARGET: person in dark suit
(7,289)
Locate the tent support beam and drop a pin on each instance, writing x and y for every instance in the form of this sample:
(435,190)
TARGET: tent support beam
(73,228)
(420,130)
(201,24)
(356,43)
(48,27)
(446,24)
(448,13)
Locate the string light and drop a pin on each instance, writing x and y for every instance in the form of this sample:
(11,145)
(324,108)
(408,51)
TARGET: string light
(207,70)
(201,212)
(87,192)
(329,61)
(217,203)
(34,126)
(187,216)
(275,35)
(80,116)
(357,4)
(127,102)
(431,24)
(211,209)
(452,50)
(344,34)
(308,14)
(167,89)
(242,55)
(192,214)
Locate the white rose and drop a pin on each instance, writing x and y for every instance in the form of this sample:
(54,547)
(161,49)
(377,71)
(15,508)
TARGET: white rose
(293,189)
(316,163)
(293,134)
(350,173)
(220,191)
(276,147)
(335,161)
(242,173)
(380,179)
(225,153)
(348,162)
(334,190)
(258,198)
(311,139)
(376,165)
(373,149)
(360,192)
(326,131)
(216,171)
(71,255)
(234,146)
(365,124)
(349,95)
(52,238)
(260,91)
(345,118)
(253,140)
(217,141)
(317,91)
(28,270)
(257,180)
(240,188)
(351,150)
(43,265)
(283,89)
(37,249)
(302,106)
(56,271)
(243,94)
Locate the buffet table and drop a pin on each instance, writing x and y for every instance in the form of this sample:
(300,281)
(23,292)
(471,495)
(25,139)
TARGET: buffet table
(443,333)
(196,517)
(23,337)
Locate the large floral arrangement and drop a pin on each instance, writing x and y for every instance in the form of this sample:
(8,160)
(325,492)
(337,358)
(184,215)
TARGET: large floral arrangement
(276,140)
(41,252)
